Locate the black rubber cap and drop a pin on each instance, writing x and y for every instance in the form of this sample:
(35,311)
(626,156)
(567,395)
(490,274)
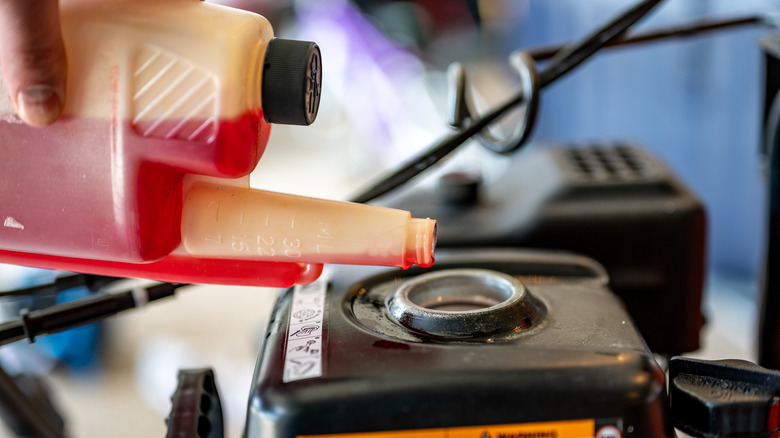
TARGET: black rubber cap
(292,81)
(724,399)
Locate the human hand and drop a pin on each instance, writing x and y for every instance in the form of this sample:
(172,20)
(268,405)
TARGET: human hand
(32,58)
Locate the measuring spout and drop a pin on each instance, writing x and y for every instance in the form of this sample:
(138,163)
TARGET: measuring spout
(238,223)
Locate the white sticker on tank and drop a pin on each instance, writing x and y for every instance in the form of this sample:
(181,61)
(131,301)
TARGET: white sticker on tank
(12,223)
(303,353)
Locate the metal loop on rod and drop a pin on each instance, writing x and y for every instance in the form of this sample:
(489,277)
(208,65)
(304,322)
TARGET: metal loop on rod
(462,111)
(565,60)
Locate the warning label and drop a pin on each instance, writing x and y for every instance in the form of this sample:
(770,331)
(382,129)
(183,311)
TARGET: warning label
(303,355)
(557,429)
(533,434)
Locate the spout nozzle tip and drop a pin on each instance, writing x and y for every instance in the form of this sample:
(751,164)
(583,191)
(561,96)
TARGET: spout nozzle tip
(421,242)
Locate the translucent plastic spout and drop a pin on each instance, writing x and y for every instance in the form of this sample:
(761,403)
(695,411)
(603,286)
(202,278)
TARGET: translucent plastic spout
(240,223)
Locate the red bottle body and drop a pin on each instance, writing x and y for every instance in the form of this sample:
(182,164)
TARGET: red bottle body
(155,92)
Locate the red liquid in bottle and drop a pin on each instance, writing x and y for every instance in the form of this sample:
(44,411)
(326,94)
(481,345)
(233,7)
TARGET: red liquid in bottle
(104,198)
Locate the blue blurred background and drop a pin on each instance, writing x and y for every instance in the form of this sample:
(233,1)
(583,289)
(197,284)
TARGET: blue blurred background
(696,103)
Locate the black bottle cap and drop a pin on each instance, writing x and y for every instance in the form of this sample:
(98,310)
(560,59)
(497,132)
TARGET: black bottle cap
(292,81)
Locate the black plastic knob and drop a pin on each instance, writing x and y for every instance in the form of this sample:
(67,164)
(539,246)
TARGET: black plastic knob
(196,410)
(292,82)
(459,189)
(726,398)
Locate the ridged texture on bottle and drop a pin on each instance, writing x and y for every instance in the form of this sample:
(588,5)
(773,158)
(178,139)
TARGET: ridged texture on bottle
(173,98)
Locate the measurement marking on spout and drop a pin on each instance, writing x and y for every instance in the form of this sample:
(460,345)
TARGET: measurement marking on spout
(218,208)
(324,249)
(324,233)
(264,244)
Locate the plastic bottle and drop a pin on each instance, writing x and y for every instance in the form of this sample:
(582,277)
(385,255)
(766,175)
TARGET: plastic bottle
(159,93)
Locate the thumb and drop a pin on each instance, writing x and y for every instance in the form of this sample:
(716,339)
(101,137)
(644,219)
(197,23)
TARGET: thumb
(32,58)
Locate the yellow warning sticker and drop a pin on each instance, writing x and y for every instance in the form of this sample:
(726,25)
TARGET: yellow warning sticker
(556,429)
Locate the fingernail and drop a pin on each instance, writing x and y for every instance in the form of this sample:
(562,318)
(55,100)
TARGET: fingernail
(39,105)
